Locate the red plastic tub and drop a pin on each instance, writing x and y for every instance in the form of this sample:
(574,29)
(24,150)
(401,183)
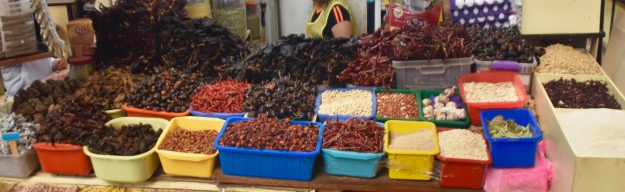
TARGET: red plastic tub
(63,159)
(135,112)
(491,77)
(463,173)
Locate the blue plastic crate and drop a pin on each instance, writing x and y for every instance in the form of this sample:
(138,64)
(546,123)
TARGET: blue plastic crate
(323,117)
(354,164)
(513,152)
(267,163)
(223,116)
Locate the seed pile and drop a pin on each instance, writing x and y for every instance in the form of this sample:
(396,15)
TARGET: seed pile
(104,189)
(355,134)
(500,128)
(397,105)
(561,59)
(169,91)
(41,187)
(13,123)
(282,98)
(109,88)
(462,144)
(482,92)
(223,97)
(352,102)
(128,140)
(269,133)
(422,140)
(570,93)
(187,141)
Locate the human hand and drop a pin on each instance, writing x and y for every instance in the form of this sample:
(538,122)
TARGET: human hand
(60,64)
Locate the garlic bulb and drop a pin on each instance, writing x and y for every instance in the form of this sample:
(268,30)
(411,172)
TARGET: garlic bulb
(442,98)
(429,116)
(441,116)
(452,117)
(450,92)
(451,104)
(439,105)
(427,102)
(461,113)
(428,110)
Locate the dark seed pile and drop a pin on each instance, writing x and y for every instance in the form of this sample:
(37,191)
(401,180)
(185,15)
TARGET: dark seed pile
(128,140)
(169,91)
(573,94)
(283,98)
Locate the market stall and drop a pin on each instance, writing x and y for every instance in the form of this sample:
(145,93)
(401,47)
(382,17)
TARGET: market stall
(158,97)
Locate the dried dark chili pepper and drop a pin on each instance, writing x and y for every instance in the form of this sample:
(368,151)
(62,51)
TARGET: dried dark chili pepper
(41,98)
(500,44)
(282,98)
(169,91)
(72,122)
(355,135)
(225,96)
(272,134)
(128,140)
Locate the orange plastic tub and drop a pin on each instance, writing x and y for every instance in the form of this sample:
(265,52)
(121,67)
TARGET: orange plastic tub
(63,159)
(135,112)
(492,77)
(463,173)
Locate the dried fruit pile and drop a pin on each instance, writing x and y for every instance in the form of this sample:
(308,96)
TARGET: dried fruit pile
(283,98)
(169,91)
(109,88)
(355,134)
(315,61)
(127,32)
(41,98)
(187,141)
(272,134)
(225,96)
(72,122)
(501,44)
(570,93)
(397,105)
(199,45)
(372,65)
(128,140)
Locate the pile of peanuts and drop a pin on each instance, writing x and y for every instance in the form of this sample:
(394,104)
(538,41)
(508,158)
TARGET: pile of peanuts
(397,105)
(352,102)
(561,59)
(482,92)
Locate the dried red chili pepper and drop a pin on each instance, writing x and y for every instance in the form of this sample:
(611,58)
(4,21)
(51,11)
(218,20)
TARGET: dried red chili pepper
(357,135)
(225,96)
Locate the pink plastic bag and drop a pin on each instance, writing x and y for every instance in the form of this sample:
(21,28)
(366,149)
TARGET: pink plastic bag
(534,179)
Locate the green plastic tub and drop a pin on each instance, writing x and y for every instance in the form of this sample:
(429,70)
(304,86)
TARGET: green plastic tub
(404,91)
(127,169)
(439,123)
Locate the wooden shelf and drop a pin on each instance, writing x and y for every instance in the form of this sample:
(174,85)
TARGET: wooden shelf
(27,58)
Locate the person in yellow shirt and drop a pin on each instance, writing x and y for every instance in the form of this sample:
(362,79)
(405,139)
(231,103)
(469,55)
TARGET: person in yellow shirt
(330,18)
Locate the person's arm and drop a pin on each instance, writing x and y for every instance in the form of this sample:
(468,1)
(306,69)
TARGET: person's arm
(342,29)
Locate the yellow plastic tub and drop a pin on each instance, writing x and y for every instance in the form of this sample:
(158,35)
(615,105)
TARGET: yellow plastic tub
(116,113)
(409,165)
(189,164)
(127,169)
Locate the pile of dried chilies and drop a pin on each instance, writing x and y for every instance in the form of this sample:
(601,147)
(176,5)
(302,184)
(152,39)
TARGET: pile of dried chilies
(355,135)
(282,98)
(225,96)
(168,91)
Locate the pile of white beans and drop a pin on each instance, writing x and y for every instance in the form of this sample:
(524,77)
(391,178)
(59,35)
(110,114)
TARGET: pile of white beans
(482,92)
(352,102)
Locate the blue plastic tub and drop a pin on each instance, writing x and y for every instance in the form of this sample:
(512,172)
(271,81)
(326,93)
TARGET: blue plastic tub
(267,163)
(513,152)
(323,117)
(354,164)
(223,116)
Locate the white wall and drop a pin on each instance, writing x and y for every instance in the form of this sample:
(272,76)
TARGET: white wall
(295,13)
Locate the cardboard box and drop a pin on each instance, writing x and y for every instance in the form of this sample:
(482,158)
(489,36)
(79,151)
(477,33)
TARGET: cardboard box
(573,171)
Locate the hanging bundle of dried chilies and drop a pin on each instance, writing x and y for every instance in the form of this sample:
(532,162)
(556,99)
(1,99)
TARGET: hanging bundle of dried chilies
(127,32)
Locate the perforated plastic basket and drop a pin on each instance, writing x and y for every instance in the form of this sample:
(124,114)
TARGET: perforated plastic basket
(323,117)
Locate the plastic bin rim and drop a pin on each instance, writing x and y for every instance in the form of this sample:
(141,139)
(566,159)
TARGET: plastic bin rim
(268,151)
(27,152)
(453,61)
(533,125)
(330,116)
(56,147)
(113,111)
(213,113)
(352,154)
(125,107)
(470,161)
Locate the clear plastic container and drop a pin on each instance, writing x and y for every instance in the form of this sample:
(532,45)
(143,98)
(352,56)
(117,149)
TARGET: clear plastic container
(409,164)
(523,70)
(20,166)
(252,10)
(432,75)
(199,9)
(81,67)
(231,14)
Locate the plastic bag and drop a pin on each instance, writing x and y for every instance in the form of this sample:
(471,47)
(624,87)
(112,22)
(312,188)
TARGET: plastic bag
(414,12)
(534,179)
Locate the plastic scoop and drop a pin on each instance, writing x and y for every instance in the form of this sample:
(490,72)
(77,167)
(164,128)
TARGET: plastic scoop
(12,139)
